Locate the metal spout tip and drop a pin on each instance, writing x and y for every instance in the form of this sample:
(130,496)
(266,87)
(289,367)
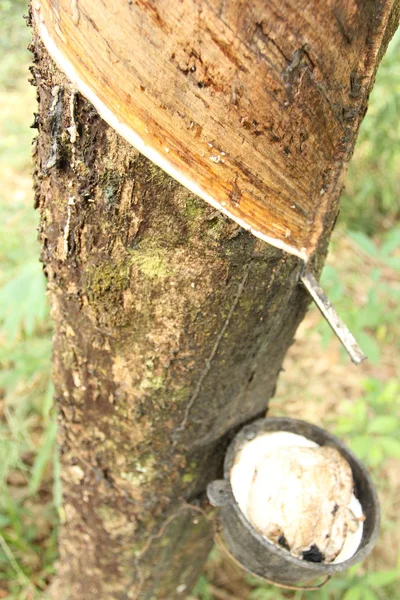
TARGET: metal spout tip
(341,330)
(359,358)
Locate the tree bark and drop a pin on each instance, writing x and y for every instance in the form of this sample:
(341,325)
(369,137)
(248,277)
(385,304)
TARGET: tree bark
(171,324)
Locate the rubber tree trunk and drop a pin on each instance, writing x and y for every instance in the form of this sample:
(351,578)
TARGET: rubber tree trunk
(171,324)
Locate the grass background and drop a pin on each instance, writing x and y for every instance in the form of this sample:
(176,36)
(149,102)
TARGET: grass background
(361,405)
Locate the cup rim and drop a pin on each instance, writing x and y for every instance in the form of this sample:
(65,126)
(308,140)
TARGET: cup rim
(288,424)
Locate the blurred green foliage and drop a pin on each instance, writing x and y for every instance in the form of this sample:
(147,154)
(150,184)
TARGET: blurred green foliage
(15,95)
(27,422)
(370,424)
(356,585)
(377,321)
(13,42)
(371,200)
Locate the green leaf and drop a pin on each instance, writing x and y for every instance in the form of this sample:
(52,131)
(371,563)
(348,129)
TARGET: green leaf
(383,424)
(326,334)
(391,447)
(4,521)
(364,242)
(389,392)
(369,594)
(375,455)
(391,242)
(354,593)
(43,457)
(382,578)
(23,302)
(331,283)
(201,589)
(264,594)
(393,262)
(13,511)
(369,346)
(360,445)
(354,419)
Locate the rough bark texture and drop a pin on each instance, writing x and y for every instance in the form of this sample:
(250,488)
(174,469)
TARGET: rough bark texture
(171,324)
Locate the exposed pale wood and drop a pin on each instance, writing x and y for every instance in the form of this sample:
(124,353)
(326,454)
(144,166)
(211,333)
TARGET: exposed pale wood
(252,105)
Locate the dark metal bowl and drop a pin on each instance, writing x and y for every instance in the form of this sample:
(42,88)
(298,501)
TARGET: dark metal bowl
(251,549)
